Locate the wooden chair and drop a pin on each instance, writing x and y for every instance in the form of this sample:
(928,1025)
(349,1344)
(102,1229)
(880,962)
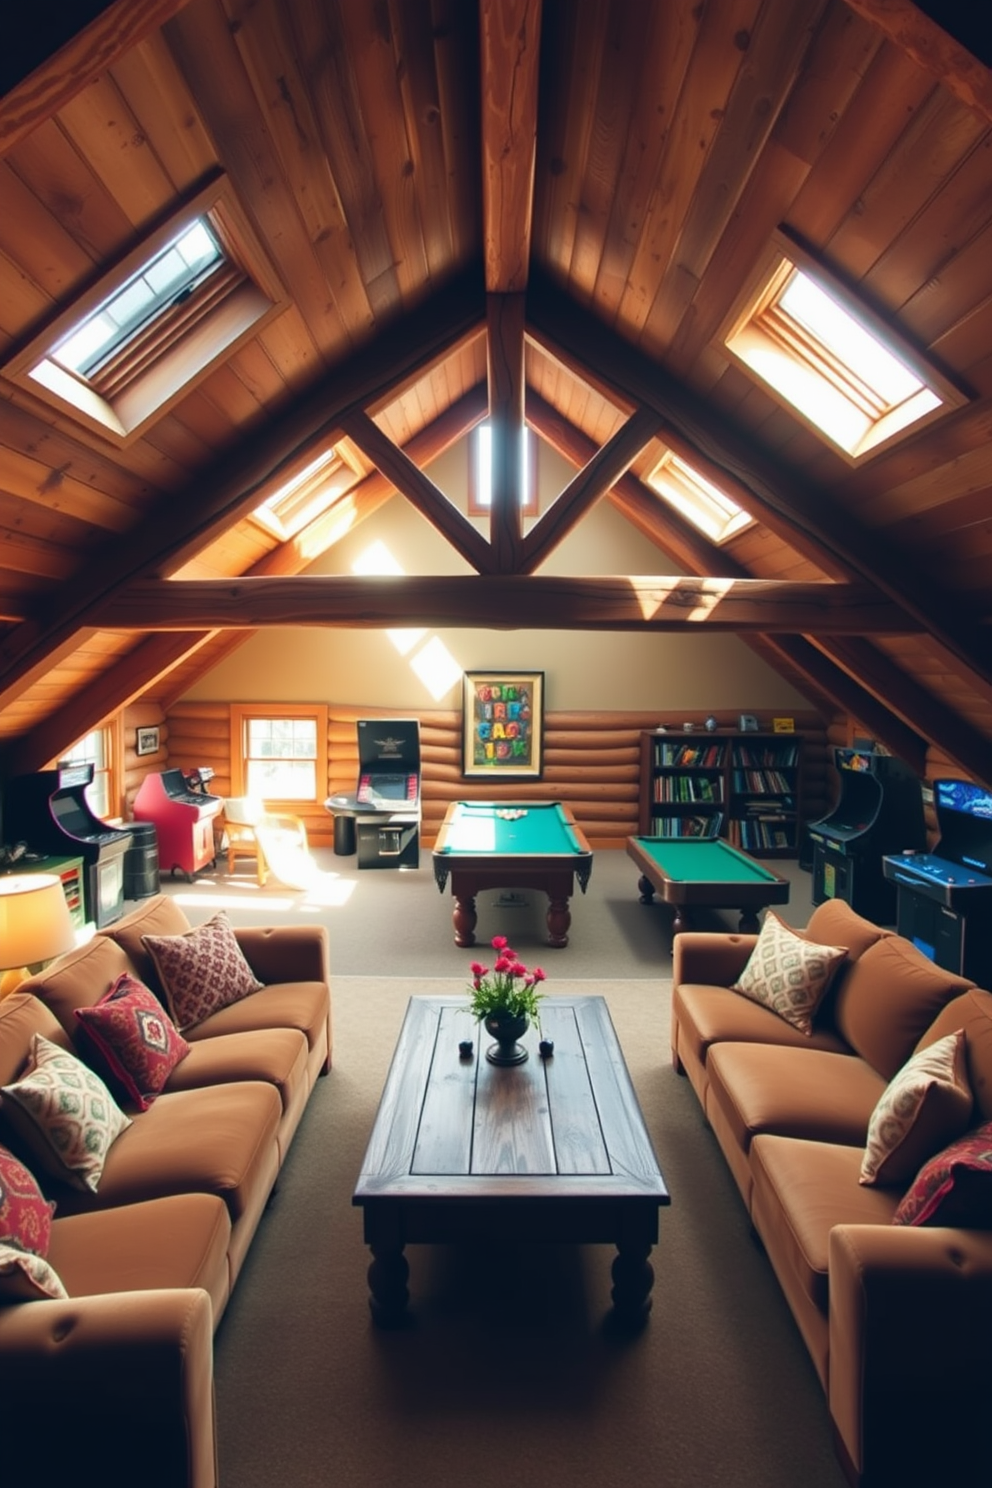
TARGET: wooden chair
(248,824)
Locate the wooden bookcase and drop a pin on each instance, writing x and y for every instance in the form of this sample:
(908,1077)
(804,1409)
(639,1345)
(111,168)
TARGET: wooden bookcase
(744,787)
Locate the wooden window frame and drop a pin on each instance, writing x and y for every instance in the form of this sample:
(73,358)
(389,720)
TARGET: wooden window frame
(756,323)
(676,481)
(178,349)
(240,713)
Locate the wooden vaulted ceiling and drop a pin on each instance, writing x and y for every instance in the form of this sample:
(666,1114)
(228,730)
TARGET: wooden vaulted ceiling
(538,210)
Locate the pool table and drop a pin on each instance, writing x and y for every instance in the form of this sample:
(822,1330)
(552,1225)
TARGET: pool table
(689,872)
(511,845)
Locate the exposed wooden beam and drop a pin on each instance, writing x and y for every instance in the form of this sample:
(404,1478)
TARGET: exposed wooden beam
(583,341)
(145,667)
(77,63)
(600,472)
(505,321)
(419,490)
(854,699)
(933,48)
(183,522)
(510,38)
(506,602)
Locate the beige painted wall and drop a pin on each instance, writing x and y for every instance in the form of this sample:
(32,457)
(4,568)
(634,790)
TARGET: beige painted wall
(589,670)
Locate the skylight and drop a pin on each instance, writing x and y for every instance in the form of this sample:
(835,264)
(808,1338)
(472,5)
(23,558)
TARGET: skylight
(853,379)
(480,486)
(167,279)
(704,505)
(299,500)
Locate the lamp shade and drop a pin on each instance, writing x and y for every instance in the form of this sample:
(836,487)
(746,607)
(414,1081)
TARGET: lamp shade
(35,923)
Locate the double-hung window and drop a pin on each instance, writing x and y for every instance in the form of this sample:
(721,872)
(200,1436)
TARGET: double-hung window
(280,752)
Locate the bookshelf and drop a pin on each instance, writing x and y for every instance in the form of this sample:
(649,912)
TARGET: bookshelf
(740,786)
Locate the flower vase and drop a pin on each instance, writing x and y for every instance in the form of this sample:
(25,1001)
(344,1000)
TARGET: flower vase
(506,1031)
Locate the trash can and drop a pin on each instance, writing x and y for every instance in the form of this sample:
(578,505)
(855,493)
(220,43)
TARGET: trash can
(141,869)
(343,809)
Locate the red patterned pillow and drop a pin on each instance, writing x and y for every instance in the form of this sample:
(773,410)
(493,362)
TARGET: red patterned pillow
(955,1187)
(135,1038)
(25,1213)
(201,971)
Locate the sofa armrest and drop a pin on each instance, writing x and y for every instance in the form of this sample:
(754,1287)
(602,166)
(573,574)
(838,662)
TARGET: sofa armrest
(287,953)
(710,957)
(150,1353)
(910,1350)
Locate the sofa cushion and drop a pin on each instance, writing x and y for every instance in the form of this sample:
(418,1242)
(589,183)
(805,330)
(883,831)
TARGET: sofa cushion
(26,1277)
(64,1115)
(276,1055)
(954,1187)
(302,1005)
(834,922)
(794,1092)
(135,1040)
(78,979)
(201,970)
(25,1213)
(887,1000)
(972,1011)
(708,1015)
(926,1104)
(788,973)
(158,915)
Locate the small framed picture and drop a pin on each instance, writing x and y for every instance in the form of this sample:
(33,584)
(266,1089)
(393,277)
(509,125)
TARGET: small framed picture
(748,723)
(146,741)
(503,724)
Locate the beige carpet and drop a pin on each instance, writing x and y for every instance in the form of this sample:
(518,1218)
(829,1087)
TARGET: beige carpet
(506,1375)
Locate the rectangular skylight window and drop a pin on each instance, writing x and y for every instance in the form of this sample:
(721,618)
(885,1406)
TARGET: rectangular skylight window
(166,280)
(703,504)
(852,378)
(480,484)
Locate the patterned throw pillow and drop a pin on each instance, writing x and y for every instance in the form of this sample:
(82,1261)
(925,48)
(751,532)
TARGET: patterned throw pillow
(25,1277)
(955,1187)
(788,973)
(25,1213)
(921,1109)
(201,971)
(64,1114)
(135,1038)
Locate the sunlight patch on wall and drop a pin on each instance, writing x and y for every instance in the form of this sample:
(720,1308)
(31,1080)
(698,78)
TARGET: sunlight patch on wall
(432,663)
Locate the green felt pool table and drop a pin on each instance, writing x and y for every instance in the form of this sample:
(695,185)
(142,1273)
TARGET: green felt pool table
(511,845)
(688,872)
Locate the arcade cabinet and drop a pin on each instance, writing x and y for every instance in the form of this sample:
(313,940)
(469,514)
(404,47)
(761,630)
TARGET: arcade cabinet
(944,898)
(386,802)
(183,813)
(879,810)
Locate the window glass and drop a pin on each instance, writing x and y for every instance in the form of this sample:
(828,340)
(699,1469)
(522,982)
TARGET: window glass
(281,758)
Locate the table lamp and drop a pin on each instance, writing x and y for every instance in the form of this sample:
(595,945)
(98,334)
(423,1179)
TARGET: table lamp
(35,925)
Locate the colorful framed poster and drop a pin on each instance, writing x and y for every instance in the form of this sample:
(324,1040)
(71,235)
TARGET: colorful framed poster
(503,724)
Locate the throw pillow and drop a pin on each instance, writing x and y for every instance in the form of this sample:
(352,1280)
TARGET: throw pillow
(954,1187)
(201,971)
(926,1104)
(789,974)
(25,1277)
(64,1114)
(25,1213)
(135,1038)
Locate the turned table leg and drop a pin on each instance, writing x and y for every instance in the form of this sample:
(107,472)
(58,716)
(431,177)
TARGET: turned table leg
(465,919)
(388,1294)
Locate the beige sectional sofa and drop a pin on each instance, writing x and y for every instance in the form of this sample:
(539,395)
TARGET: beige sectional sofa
(896,1314)
(123,1364)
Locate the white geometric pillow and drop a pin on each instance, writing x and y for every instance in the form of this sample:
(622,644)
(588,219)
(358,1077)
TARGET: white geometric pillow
(25,1277)
(788,974)
(925,1106)
(64,1114)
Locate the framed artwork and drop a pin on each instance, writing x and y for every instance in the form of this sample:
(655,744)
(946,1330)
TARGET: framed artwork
(503,724)
(146,741)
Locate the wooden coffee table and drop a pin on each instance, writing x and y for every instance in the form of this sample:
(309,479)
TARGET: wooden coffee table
(554,1149)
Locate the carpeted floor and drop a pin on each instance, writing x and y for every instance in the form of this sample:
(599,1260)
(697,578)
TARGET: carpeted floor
(507,1373)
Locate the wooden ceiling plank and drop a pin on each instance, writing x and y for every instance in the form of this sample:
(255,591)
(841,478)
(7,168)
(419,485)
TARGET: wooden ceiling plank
(421,98)
(510,36)
(77,63)
(160,100)
(420,491)
(641,603)
(185,522)
(773,493)
(61,179)
(455,26)
(588,486)
(506,373)
(931,48)
(103,129)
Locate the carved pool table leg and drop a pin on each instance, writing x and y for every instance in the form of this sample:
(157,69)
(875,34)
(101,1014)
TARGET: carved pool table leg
(388,1294)
(465,919)
(748,924)
(647,889)
(559,920)
(633,1278)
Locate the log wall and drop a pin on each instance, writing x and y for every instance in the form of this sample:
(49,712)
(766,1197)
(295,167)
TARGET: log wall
(591,762)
